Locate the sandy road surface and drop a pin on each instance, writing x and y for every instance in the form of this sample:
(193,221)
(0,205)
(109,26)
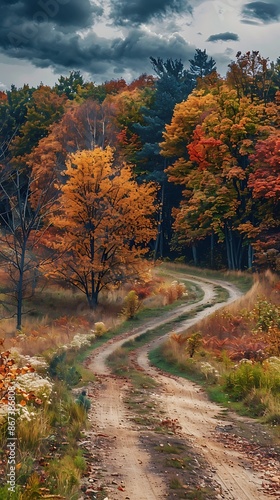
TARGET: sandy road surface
(181,399)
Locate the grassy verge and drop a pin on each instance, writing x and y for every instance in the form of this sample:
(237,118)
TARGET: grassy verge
(49,462)
(249,390)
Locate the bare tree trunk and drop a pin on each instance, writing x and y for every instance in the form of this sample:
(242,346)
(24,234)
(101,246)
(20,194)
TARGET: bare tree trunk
(194,252)
(212,250)
(159,240)
(250,256)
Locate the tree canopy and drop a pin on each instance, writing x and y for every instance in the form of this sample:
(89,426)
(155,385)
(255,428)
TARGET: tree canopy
(192,157)
(104,222)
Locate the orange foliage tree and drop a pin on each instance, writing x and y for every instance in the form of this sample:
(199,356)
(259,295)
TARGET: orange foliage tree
(214,133)
(265,184)
(83,126)
(104,223)
(44,108)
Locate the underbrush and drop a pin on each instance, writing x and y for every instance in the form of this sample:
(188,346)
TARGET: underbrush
(49,462)
(48,421)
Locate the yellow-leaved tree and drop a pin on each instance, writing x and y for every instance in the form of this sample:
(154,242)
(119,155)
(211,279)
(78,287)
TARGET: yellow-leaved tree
(103,224)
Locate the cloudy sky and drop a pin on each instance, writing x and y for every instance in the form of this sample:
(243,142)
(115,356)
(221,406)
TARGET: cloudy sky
(105,39)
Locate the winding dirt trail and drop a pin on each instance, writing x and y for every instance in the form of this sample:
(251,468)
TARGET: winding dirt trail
(125,459)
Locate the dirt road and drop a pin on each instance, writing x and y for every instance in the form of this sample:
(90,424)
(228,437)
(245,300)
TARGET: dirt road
(127,468)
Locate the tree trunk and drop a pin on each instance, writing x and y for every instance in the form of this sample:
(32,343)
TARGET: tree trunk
(212,250)
(194,252)
(92,300)
(231,249)
(159,240)
(239,253)
(250,256)
(229,261)
(20,287)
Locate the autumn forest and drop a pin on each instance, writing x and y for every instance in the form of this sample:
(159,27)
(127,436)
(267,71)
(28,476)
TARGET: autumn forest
(183,165)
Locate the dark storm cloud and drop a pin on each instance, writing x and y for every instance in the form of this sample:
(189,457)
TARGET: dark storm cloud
(49,44)
(54,34)
(140,44)
(261,12)
(63,13)
(135,12)
(224,37)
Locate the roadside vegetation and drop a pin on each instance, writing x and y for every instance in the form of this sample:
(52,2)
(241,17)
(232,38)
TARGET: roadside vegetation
(45,361)
(234,353)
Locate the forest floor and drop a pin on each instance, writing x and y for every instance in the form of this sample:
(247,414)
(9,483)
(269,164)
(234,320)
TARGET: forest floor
(164,438)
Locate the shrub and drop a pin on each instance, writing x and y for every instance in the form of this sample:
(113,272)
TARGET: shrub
(99,329)
(173,292)
(267,315)
(243,379)
(62,371)
(83,401)
(131,305)
(255,401)
(193,343)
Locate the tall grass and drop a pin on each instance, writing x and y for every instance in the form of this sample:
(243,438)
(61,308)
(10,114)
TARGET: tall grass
(32,435)
(231,320)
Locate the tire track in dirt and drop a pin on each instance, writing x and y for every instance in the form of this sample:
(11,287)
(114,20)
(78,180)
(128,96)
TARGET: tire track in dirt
(181,399)
(198,419)
(125,460)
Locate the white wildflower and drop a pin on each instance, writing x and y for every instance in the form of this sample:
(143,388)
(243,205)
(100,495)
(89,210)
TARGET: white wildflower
(36,362)
(26,414)
(207,369)
(80,340)
(245,361)
(32,382)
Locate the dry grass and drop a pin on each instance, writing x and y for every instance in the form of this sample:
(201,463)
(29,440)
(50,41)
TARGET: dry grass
(54,315)
(232,320)
(32,434)
(43,335)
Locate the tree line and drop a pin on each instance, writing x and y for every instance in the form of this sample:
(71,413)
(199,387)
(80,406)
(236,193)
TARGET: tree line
(183,164)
